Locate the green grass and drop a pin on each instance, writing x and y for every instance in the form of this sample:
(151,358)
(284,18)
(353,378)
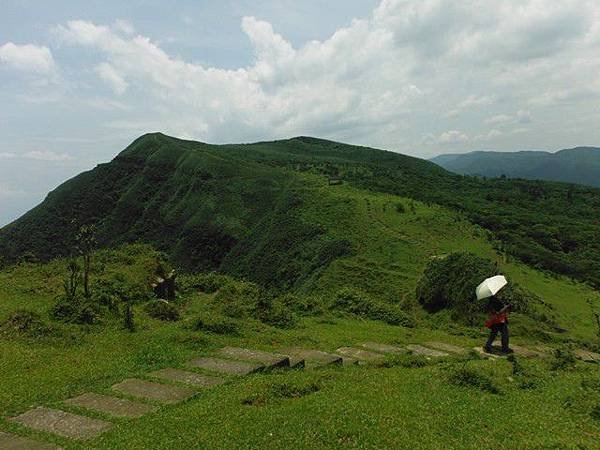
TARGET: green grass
(283,230)
(368,407)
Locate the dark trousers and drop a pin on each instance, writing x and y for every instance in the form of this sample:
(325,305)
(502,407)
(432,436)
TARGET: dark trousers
(498,328)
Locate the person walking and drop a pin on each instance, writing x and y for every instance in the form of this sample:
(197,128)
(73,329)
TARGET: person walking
(497,323)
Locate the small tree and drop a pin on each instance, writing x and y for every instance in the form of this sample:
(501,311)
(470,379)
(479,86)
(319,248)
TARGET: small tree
(72,280)
(128,321)
(595,316)
(86,243)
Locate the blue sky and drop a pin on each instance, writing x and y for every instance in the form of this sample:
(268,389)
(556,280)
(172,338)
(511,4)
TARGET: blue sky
(80,80)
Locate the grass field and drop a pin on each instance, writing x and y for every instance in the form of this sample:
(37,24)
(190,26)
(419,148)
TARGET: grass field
(413,403)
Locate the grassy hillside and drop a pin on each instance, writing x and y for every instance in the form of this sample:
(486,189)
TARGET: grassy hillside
(267,213)
(409,403)
(577,165)
(246,209)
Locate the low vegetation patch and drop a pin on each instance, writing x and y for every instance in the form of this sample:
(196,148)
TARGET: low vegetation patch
(467,376)
(25,323)
(405,360)
(563,359)
(279,391)
(214,322)
(357,302)
(162,310)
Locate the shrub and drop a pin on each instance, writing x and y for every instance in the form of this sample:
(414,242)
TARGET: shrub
(450,282)
(216,323)
(25,323)
(303,304)
(278,315)
(359,303)
(80,310)
(238,299)
(204,282)
(162,310)
(392,314)
(400,208)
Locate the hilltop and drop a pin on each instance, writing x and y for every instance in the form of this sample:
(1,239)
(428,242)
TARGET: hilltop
(576,165)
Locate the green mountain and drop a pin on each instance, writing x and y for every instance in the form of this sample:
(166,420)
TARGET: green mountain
(577,165)
(272,211)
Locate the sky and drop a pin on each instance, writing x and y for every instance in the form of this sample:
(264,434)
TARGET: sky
(80,80)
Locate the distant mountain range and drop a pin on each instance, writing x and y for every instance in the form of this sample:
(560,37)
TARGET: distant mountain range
(576,165)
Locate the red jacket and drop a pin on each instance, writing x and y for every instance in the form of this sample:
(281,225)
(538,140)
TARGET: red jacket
(496,318)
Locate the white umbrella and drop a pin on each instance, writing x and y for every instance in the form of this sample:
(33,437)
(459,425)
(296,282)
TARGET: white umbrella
(490,286)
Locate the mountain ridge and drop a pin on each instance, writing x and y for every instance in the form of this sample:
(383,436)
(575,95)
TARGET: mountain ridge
(239,207)
(580,165)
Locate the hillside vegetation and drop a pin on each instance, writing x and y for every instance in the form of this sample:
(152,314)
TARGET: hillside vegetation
(270,255)
(245,209)
(577,165)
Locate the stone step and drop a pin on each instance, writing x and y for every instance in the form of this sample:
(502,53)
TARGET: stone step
(424,351)
(150,390)
(312,358)
(587,356)
(296,362)
(226,366)
(14,442)
(360,354)
(445,347)
(187,377)
(496,353)
(267,359)
(118,407)
(526,352)
(349,361)
(383,348)
(62,423)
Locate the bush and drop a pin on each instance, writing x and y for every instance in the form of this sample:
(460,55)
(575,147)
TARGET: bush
(25,323)
(303,304)
(278,315)
(208,283)
(359,303)
(80,310)
(450,283)
(400,208)
(216,323)
(238,299)
(162,310)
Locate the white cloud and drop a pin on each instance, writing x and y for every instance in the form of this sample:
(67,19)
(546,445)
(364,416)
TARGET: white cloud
(27,57)
(520,116)
(489,136)
(382,79)
(452,137)
(46,155)
(7,155)
(471,102)
(109,74)
(124,26)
